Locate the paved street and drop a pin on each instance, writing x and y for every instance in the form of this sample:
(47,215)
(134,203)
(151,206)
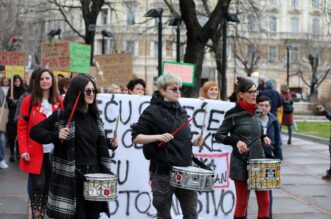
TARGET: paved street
(303,194)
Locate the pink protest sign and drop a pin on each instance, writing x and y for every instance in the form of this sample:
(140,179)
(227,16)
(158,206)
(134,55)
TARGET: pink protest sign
(185,71)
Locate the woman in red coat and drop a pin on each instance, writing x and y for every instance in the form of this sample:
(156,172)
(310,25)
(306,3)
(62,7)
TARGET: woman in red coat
(44,99)
(287,116)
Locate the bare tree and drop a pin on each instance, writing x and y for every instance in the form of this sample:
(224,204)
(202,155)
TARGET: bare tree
(314,78)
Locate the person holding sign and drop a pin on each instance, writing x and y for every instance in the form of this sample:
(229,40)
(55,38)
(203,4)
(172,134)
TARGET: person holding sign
(14,93)
(164,116)
(35,157)
(81,147)
(246,137)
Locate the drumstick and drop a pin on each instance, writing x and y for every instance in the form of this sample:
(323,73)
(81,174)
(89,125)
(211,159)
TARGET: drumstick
(72,112)
(100,72)
(177,130)
(12,88)
(203,121)
(116,126)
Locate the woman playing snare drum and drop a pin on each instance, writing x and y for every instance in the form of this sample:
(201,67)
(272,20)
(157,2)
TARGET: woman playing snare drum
(161,118)
(80,149)
(246,137)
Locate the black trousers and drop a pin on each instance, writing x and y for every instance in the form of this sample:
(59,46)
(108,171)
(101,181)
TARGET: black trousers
(85,209)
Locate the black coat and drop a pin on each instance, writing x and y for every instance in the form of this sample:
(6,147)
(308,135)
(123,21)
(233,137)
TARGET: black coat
(159,118)
(247,128)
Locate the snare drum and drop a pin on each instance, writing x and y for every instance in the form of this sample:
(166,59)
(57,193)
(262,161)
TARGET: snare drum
(192,178)
(263,174)
(100,187)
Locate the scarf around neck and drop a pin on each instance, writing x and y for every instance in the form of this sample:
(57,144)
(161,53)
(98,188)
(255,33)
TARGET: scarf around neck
(249,108)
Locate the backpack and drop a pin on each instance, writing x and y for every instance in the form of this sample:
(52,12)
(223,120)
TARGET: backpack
(287,106)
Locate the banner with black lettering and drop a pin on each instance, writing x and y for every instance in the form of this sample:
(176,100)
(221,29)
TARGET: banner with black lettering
(128,163)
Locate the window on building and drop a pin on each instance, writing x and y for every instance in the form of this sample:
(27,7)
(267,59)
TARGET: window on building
(130,45)
(294,24)
(154,49)
(273,24)
(251,23)
(130,17)
(315,4)
(273,53)
(273,2)
(294,3)
(294,54)
(104,16)
(315,25)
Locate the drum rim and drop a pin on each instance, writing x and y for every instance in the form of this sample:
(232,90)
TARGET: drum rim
(264,160)
(179,168)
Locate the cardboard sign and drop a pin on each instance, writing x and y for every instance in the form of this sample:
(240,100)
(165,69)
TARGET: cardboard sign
(66,56)
(64,73)
(114,69)
(185,71)
(14,58)
(10,71)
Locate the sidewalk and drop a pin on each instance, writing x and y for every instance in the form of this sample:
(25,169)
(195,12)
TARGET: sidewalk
(303,193)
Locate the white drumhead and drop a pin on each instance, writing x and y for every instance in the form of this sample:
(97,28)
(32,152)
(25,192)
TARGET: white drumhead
(192,169)
(99,176)
(264,161)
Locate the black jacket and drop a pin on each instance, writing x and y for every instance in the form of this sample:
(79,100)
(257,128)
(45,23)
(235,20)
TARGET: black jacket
(247,128)
(159,118)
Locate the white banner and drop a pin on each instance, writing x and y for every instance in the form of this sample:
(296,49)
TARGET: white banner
(128,162)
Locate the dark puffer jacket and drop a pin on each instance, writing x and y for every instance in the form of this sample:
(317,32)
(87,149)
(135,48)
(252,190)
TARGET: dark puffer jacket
(159,118)
(247,128)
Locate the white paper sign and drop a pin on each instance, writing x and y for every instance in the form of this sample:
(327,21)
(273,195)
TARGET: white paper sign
(128,162)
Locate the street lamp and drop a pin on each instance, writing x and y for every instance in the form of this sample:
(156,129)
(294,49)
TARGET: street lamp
(157,13)
(231,18)
(104,34)
(91,29)
(52,33)
(288,47)
(176,21)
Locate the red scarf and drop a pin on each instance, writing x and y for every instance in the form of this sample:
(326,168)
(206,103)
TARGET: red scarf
(249,108)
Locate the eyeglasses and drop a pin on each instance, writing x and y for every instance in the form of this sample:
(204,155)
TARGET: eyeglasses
(176,89)
(90,92)
(251,92)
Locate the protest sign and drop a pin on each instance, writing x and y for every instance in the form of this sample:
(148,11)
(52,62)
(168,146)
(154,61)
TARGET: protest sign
(116,69)
(14,58)
(128,163)
(10,71)
(66,56)
(185,71)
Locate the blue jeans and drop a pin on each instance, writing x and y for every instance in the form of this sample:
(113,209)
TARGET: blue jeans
(2,145)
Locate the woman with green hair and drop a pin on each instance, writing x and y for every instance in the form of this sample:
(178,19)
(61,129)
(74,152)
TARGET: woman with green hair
(162,117)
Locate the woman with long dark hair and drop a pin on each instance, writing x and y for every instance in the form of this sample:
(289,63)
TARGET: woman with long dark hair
(246,137)
(11,127)
(81,148)
(35,157)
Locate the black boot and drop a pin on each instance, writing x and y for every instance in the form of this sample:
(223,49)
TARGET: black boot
(289,141)
(327,176)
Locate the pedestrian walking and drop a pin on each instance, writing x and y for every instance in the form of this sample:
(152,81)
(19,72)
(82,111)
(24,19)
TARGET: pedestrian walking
(270,128)
(271,92)
(162,117)
(35,157)
(80,148)
(246,137)
(327,114)
(287,104)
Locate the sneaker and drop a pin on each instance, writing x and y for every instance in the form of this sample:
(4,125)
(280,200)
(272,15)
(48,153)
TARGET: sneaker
(3,165)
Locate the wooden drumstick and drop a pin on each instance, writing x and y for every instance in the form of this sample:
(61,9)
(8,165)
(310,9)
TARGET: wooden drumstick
(203,121)
(100,72)
(116,126)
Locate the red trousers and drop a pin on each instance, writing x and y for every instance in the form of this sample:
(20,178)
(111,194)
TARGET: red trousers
(242,194)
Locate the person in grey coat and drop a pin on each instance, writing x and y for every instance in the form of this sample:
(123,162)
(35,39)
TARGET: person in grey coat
(246,137)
